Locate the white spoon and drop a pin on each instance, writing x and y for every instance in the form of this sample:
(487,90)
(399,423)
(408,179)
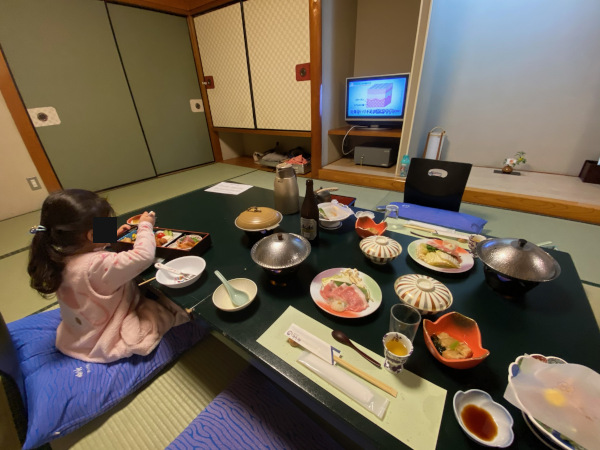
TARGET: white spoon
(238,298)
(185,275)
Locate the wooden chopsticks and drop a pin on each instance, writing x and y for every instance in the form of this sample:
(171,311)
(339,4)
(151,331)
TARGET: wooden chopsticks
(365,376)
(147,281)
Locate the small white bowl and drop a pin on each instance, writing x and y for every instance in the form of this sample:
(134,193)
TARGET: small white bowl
(501,416)
(222,300)
(335,212)
(188,264)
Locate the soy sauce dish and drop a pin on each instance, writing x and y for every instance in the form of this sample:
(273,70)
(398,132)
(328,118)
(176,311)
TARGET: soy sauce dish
(483,420)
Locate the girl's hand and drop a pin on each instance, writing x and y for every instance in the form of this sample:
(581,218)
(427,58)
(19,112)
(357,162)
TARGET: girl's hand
(123,229)
(148,217)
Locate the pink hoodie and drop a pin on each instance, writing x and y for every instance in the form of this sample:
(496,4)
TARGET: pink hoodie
(104,316)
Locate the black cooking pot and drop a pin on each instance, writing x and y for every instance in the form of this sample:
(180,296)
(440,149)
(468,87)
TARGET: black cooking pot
(514,266)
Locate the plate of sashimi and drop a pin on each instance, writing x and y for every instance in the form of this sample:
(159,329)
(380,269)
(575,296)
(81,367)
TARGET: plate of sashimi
(440,255)
(346,293)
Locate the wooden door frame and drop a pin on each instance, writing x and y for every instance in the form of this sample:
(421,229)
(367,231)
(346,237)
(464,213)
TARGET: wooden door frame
(19,113)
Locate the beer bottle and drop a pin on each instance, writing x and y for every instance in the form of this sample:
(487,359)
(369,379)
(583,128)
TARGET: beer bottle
(309,214)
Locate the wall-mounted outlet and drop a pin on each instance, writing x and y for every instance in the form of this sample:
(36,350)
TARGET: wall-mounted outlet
(34,184)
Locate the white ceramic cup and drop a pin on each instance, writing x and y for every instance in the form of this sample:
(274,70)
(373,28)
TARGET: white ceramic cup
(395,363)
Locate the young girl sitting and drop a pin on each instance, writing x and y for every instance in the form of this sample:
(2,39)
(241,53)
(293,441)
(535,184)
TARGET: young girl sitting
(104,316)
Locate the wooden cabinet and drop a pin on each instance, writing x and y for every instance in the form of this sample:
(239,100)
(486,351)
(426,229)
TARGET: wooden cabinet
(257,54)
(123,112)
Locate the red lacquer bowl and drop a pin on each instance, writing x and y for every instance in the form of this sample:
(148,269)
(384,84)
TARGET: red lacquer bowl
(461,328)
(365,227)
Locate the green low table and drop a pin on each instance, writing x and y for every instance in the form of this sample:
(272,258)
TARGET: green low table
(554,318)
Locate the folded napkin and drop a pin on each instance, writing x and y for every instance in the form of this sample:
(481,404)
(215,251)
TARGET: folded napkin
(452,219)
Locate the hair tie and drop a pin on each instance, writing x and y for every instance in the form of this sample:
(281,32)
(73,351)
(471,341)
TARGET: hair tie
(37,229)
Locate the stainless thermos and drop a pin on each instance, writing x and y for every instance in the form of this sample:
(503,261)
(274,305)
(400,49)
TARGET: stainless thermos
(287,198)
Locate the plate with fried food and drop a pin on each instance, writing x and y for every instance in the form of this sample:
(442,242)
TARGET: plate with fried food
(440,255)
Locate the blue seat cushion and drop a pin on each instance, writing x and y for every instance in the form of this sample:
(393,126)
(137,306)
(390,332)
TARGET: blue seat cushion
(253,413)
(61,393)
(445,218)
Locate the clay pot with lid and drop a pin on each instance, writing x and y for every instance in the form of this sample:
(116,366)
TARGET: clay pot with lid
(280,254)
(514,266)
(258,221)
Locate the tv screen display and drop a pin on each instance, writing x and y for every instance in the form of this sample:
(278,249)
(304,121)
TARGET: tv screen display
(376,101)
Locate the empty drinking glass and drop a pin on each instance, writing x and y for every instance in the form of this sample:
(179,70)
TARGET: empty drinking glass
(405,319)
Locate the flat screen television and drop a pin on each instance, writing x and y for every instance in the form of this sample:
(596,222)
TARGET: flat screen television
(376,101)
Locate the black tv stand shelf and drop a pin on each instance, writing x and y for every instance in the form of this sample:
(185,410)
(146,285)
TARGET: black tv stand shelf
(369,132)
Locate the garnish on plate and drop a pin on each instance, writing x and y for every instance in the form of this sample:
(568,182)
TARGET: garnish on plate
(439,253)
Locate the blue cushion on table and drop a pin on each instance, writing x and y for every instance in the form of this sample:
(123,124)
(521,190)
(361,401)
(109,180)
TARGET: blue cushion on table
(253,413)
(442,217)
(62,393)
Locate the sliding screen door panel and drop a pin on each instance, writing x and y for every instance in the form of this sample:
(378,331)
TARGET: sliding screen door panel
(278,40)
(222,48)
(157,56)
(62,55)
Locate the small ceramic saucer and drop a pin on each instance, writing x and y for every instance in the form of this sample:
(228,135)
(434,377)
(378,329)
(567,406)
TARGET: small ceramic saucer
(482,400)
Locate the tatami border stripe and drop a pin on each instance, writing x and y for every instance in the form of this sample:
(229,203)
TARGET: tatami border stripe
(15,252)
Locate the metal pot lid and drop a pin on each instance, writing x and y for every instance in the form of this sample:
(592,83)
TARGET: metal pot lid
(280,251)
(519,259)
(258,218)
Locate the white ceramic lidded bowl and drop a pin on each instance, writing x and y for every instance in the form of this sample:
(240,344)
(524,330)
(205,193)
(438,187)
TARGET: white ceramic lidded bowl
(426,294)
(380,249)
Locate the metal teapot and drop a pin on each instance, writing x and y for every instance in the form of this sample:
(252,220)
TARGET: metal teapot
(287,197)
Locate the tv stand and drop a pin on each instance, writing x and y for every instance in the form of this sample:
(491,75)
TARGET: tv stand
(367,131)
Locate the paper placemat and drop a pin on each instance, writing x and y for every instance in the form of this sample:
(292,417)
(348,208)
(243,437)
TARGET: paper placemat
(414,416)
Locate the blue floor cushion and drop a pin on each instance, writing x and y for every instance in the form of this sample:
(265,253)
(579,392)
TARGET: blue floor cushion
(253,413)
(451,219)
(61,393)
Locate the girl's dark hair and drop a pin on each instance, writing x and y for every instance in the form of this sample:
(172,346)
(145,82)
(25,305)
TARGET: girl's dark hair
(67,216)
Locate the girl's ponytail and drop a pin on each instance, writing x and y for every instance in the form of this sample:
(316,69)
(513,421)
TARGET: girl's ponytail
(66,218)
(45,265)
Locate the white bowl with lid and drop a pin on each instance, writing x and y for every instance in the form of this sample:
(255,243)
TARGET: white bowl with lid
(426,294)
(380,249)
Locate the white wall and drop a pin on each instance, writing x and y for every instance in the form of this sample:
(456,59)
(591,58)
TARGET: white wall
(15,166)
(513,75)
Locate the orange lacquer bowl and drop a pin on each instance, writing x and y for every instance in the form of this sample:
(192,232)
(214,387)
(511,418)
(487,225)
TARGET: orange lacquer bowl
(461,328)
(365,227)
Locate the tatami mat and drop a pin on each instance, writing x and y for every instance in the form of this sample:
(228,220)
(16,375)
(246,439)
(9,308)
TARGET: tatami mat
(153,417)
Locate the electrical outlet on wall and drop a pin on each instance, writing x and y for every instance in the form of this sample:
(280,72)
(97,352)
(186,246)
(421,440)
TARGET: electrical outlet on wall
(34,184)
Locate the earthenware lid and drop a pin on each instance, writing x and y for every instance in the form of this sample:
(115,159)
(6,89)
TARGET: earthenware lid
(519,259)
(426,294)
(258,218)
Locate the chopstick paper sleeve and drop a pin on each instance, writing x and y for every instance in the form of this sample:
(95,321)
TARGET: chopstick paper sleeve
(362,394)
